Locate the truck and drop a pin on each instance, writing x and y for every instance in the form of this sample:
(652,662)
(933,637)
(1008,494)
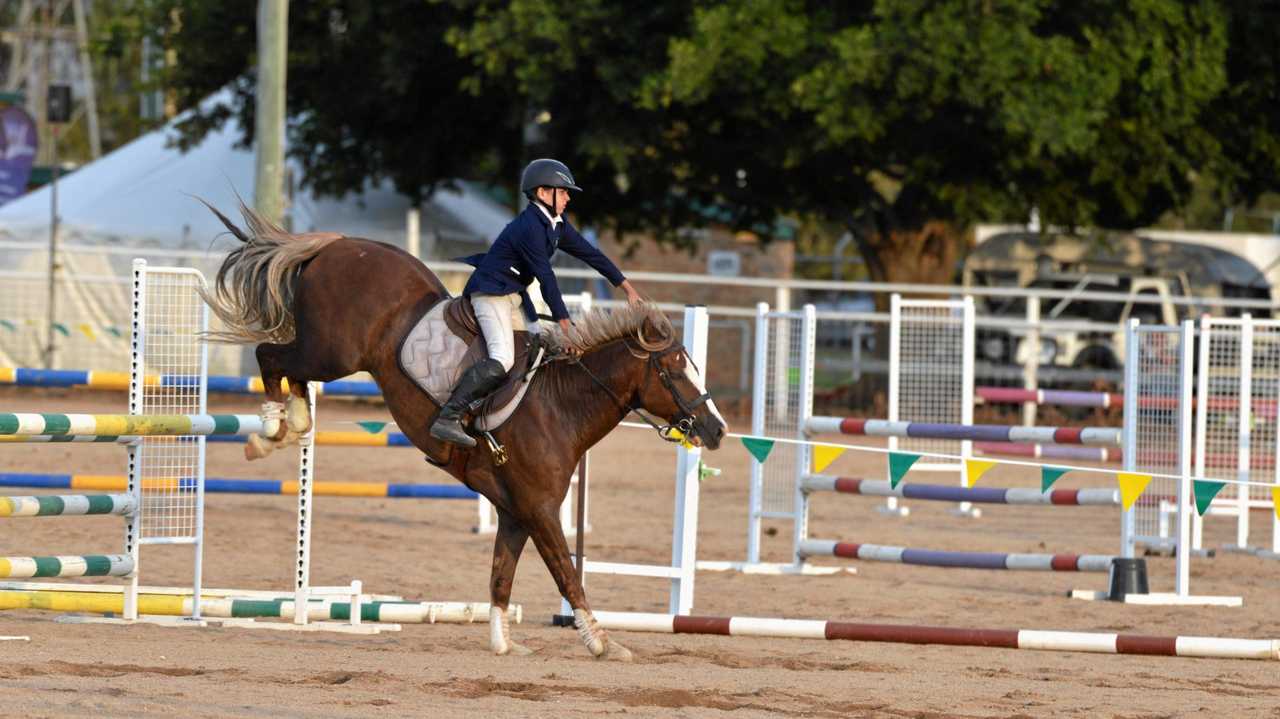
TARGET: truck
(1143,266)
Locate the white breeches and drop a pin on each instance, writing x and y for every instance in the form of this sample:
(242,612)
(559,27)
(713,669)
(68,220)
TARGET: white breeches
(499,316)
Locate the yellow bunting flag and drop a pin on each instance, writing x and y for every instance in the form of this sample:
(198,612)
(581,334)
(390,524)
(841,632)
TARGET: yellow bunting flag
(87,329)
(974,469)
(1131,487)
(824,455)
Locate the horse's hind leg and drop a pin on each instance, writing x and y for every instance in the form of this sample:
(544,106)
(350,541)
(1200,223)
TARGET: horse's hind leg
(507,545)
(548,537)
(282,423)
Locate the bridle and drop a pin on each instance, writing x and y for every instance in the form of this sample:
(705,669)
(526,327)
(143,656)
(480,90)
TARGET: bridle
(684,426)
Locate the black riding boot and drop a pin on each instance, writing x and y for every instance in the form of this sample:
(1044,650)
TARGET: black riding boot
(479,380)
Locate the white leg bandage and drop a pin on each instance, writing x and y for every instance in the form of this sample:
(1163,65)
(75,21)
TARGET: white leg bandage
(298,415)
(273,413)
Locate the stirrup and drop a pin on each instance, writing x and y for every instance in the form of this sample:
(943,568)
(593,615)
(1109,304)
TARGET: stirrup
(499,452)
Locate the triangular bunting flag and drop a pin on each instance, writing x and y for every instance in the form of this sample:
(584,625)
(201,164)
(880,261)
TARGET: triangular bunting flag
(87,329)
(759,448)
(1049,475)
(1275,500)
(371,426)
(1131,487)
(899,463)
(824,455)
(1205,491)
(974,469)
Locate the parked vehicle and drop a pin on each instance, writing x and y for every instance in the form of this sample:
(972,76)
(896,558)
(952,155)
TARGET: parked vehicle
(1150,271)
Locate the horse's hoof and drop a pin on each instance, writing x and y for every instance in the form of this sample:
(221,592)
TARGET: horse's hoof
(614,651)
(256,447)
(518,650)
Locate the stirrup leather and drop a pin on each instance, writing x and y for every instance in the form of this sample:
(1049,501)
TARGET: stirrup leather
(499,452)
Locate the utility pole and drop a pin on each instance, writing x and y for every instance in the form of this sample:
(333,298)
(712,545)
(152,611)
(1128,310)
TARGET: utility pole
(273,40)
(44,48)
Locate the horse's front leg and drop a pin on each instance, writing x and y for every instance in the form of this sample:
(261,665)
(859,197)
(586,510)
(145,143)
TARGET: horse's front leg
(507,546)
(548,537)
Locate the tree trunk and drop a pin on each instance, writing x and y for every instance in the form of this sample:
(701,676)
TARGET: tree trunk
(928,255)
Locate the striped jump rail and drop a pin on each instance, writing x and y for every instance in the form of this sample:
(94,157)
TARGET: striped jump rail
(976,432)
(119,381)
(1071,398)
(954,493)
(399,612)
(67,505)
(1095,642)
(1051,451)
(959,560)
(171,425)
(94,482)
(1062,398)
(327,439)
(90,565)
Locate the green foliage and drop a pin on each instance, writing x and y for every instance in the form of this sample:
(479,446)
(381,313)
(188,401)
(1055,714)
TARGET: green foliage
(902,120)
(373,90)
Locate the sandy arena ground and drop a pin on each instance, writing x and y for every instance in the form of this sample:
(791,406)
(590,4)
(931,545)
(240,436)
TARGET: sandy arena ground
(425,550)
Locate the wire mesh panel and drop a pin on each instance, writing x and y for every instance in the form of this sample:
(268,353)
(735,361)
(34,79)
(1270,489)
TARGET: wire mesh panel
(1263,401)
(933,371)
(1219,412)
(1157,379)
(784,352)
(1236,422)
(168,321)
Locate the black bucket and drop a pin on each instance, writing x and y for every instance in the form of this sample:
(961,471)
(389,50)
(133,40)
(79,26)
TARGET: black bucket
(1128,576)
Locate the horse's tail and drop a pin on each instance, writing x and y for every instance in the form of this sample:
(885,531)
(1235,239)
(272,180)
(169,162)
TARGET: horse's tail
(254,290)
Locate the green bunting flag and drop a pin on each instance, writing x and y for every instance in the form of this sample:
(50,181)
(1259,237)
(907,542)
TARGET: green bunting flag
(1049,475)
(759,448)
(899,463)
(371,426)
(1205,492)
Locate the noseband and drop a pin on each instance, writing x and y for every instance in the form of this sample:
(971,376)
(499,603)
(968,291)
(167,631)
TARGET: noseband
(688,422)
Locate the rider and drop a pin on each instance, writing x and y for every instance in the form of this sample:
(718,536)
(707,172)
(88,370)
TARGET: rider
(497,288)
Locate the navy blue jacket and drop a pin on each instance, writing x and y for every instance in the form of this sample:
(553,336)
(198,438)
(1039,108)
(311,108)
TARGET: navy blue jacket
(522,253)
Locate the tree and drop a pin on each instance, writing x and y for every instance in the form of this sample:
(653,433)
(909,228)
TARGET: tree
(373,90)
(904,120)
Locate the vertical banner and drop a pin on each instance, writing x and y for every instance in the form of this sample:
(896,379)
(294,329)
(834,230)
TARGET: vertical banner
(17,151)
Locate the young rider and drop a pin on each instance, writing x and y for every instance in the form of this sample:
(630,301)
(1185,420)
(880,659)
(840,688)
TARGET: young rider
(497,288)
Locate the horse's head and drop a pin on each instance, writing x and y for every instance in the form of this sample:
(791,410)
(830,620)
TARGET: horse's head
(673,388)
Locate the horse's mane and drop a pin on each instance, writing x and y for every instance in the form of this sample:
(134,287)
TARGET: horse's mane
(643,323)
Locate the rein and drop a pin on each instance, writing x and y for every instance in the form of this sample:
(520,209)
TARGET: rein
(684,425)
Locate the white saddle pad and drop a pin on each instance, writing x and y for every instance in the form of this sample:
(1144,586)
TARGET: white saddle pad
(432,356)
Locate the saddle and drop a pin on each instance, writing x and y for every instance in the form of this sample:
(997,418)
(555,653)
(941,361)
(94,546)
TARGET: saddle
(439,346)
(460,318)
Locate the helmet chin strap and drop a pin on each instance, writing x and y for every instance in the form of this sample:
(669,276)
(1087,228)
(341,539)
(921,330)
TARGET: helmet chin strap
(551,210)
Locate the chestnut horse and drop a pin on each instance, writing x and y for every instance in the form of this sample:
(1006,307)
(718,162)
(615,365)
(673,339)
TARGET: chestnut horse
(323,306)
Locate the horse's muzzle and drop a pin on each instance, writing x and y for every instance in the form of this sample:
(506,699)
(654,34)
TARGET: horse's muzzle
(708,432)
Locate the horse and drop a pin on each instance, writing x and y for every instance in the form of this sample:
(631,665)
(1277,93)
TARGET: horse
(322,306)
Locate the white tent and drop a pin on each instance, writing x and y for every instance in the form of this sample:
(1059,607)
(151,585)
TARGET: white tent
(143,194)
